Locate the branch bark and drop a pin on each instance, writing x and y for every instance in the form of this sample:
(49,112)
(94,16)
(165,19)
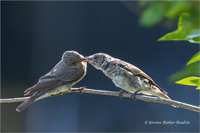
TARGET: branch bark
(113,93)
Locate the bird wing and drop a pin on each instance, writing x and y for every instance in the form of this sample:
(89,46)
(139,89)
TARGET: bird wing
(58,76)
(136,71)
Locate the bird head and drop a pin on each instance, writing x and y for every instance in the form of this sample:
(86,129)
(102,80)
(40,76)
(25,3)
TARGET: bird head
(73,58)
(97,59)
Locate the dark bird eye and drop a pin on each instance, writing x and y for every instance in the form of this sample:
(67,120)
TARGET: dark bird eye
(72,62)
(95,57)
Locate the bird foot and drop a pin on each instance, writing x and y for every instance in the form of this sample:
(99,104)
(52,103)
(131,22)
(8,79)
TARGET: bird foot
(78,89)
(121,93)
(133,95)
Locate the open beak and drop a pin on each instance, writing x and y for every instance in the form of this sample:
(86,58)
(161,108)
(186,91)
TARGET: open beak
(85,59)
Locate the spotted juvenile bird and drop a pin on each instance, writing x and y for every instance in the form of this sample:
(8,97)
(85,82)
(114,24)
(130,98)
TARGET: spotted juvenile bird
(126,76)
(70,70)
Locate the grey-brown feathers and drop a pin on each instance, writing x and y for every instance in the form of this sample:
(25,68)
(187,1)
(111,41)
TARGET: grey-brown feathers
(70,70)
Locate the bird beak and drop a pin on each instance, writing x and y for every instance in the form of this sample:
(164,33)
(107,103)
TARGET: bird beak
(84,59)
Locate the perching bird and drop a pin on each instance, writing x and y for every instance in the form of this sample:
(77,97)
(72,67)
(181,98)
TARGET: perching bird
(126,76)
(70,70)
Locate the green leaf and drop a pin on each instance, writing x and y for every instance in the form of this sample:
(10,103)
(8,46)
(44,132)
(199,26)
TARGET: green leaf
(188,29)
(194,37)
(198,88)
(195,40)
(182,32)
(190,70)
(195,58)
(194,34)
(192,81)
(176,35)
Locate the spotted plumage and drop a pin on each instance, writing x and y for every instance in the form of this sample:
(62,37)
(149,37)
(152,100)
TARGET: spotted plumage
(125,75)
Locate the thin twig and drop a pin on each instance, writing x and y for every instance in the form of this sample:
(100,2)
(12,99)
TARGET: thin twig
(13,100)
(113,93)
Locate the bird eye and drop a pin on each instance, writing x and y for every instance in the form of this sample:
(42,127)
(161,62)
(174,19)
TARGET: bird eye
(72,62)
(95,57)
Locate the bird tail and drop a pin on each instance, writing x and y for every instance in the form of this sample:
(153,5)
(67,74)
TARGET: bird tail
(161,93)
(28,102)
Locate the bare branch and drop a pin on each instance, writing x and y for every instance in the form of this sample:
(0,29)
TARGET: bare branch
(113,93)
(13,100)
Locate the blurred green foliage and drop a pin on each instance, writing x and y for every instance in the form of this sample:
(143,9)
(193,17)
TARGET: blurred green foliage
(166,11)
(187,14)
(191,70)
